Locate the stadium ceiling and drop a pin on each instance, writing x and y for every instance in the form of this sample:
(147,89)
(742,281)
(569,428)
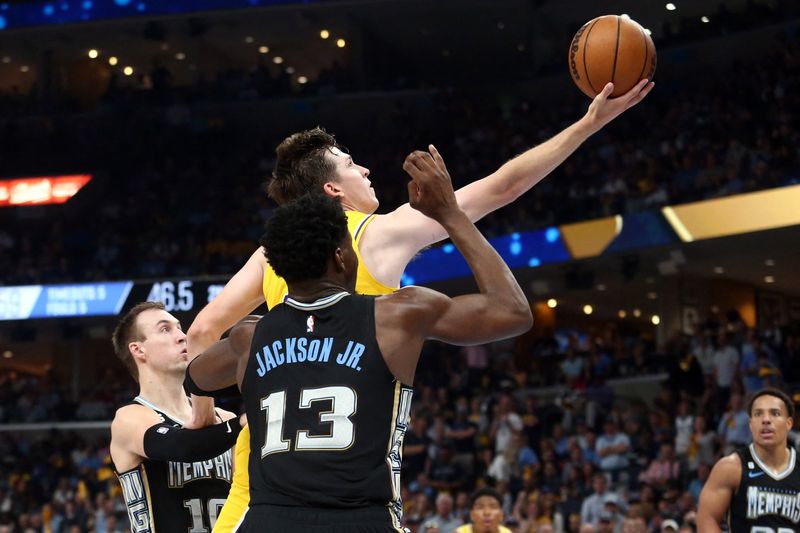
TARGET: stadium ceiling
(409,34)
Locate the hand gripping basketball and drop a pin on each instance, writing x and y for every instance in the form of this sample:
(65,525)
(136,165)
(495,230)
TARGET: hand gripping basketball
(430,190)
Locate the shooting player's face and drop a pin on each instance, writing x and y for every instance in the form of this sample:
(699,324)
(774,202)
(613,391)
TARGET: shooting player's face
(352,183)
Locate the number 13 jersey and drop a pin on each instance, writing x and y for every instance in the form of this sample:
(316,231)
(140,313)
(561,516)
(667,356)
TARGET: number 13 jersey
(327,417)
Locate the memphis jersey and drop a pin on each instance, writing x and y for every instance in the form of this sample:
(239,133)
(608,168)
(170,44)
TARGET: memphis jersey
(766,502)
(166,496)
(274,288)
(327,418)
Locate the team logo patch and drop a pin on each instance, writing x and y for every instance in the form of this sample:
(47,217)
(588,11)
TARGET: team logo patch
(162,430)
(310,324)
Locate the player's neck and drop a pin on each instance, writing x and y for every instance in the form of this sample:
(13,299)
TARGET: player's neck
(165,392)
(309,291)
(776,457)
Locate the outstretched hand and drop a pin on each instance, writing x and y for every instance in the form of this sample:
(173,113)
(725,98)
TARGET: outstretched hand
(604,109)
(430,190)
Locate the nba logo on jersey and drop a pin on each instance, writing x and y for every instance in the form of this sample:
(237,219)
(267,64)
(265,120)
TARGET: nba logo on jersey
(310,324)
(751,465)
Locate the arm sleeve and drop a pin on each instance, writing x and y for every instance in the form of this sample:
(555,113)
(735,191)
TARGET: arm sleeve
(164,442)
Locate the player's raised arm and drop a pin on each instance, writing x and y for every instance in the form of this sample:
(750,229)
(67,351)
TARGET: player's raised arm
(241,295)
(392,240)
(501,309)
(717,494)
(413,314)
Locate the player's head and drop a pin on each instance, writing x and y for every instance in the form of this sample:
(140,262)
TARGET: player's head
(486,510)
(311,161)
(771,416)
(307,240)
(149,335)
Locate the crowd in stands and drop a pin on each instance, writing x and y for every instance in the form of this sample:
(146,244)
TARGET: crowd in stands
(579,457)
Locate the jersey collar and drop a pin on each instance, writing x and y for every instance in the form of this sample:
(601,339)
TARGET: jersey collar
(767,470)
(316,304)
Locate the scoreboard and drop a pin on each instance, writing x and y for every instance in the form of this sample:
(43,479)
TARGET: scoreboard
(105,298)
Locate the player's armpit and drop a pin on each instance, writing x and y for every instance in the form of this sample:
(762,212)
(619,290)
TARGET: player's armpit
(717,494)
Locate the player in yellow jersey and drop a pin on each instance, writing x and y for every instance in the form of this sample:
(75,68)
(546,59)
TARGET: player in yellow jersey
(312,161)
(485,513)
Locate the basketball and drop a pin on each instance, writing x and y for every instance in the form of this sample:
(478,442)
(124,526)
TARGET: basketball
(611,48)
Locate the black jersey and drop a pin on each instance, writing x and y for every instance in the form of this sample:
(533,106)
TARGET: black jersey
(327,417)
(765,502)
(167,496)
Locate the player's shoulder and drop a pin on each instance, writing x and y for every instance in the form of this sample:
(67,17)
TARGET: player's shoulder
(133,415)
(728,469)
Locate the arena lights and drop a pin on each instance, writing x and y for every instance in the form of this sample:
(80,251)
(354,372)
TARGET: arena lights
(180,56)
(601,287)
(277,60)
(704,19)
(6,60)
(93,54)
(769,262)
(719,270)
(621,313)
(290,70)
(655,319)
(324,34)
(113,60)
(302,80)
(249,39)
(128,71)
(637,313)
(8,354)
(769,279)
(263,49)
(341,43)
(671,7)
(552,303)
(652,295)
(587,309)
(24,68)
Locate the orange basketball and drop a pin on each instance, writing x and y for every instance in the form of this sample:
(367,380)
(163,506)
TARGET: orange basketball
(611,48)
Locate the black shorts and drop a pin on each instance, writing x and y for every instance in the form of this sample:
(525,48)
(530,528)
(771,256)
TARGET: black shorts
(279,519)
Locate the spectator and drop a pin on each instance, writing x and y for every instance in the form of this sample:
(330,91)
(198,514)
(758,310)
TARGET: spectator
(612,448)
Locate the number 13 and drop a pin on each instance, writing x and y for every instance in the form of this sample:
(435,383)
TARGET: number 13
(342,435)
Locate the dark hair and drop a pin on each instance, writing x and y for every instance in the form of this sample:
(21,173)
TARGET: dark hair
(127,332)
(771,392)
(302,235)
(301,166)
(485,491)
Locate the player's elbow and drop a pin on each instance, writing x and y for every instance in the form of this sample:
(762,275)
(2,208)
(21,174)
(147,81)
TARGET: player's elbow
(520,317)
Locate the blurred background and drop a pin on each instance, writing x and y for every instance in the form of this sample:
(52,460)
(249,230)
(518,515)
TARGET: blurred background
(660,259)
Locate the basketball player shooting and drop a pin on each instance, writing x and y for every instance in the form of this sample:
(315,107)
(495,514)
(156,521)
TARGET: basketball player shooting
(758,487)
(312,161)
(326,376)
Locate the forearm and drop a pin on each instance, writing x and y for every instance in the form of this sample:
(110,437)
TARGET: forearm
(520,174)
(707,524)
(491,273)
(165,443)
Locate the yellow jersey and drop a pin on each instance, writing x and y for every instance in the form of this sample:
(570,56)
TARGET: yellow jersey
(468,529)
(274,288)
